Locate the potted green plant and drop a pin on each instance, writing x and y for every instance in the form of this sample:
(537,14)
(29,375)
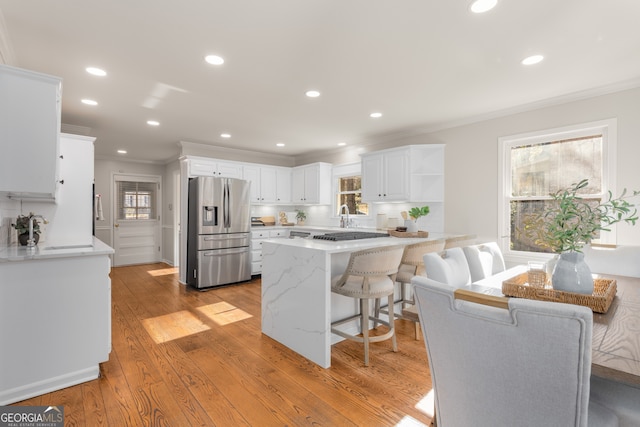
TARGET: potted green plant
(414,214)
(569,223)
(301,216)
(22,227)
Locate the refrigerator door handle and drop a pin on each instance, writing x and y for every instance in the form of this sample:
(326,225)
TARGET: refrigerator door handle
(227,216)
(225,252)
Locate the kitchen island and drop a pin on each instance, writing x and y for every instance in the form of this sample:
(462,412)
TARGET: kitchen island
(55,317)
(297,303)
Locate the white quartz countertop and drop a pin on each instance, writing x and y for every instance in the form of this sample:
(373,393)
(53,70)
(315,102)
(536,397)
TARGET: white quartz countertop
(44,251)
(353,245)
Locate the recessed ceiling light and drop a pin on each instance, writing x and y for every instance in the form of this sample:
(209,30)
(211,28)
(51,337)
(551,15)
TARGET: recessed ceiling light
(153,123)
(122,151)
(312,93)
(533,59)
(96,71)
(375,115)
(89,102)
(481,6)
(214,59)
(341,144)
(225,135)
(280,144)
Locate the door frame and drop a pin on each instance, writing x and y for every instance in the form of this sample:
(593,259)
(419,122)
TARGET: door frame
(114,202)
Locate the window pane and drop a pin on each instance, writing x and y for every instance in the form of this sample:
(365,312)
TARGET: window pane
(350,183)
(353,201)
(544,168)
(520,211)
(136,200)
(350,194)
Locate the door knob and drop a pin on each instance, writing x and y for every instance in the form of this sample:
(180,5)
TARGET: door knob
(116,225)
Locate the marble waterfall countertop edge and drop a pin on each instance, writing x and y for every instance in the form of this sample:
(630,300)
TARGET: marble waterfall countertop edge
(353,245)
(45,251)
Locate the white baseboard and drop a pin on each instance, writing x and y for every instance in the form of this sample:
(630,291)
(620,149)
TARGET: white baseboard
(38,388)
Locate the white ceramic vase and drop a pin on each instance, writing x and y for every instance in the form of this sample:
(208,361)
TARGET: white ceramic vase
(411,225)
(572,274)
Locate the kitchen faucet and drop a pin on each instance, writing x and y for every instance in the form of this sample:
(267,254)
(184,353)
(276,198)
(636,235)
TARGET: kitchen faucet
(31,242)
(344,224)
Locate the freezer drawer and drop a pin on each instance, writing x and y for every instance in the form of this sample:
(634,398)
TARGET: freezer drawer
(222,266)
(222,241)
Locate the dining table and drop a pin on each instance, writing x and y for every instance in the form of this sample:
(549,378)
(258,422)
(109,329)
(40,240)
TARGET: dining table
(616,333)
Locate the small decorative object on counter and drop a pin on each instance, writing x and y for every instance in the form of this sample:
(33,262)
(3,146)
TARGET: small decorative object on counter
(283,219)
(22,227)
(415,213)
(381,221)
(301,216)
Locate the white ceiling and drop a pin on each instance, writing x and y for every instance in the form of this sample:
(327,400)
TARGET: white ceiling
(422,63)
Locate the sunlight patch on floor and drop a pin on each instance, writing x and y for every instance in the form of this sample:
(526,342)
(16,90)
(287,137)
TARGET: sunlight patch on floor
(408,421)
(223,313)
(426,404)
(172,326)
(163,271)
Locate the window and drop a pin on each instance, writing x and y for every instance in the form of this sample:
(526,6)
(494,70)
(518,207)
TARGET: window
(536,165)
(347,188)
(350,194)
(136,200)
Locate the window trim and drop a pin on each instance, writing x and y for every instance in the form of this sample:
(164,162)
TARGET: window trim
(156,179)
(607,127)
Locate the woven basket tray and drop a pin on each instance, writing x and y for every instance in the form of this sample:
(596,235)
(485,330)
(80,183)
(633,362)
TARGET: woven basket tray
(604,290)
(408,234)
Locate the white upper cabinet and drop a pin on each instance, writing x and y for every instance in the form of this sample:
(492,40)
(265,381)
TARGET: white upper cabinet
(29,123)
(72,220)
(211,167)
(410,173)
(385,176)
(263,183)
(283,185)
(311,184)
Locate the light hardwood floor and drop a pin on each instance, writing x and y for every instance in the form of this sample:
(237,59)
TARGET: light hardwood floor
(181,357)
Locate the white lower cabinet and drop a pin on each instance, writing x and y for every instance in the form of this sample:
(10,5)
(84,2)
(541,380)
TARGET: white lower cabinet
(55,324)
(257,237)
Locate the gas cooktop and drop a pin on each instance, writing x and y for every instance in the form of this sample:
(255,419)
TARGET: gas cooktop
(349,235)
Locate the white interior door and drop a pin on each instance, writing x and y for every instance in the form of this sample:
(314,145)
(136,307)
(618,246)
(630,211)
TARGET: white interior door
(136,225)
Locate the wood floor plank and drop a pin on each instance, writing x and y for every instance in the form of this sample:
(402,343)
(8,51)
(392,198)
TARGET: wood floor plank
(218,369)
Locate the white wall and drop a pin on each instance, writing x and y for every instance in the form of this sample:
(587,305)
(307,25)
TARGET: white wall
(104,170)
(471,170)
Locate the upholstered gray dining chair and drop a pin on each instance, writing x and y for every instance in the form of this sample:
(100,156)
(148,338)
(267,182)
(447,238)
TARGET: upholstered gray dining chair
(484,260)
(507,362)
(449,266)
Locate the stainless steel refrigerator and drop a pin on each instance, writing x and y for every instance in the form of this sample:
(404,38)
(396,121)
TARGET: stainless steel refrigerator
(219,232)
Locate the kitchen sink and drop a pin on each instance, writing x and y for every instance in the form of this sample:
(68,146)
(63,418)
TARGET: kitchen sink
(349,235)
